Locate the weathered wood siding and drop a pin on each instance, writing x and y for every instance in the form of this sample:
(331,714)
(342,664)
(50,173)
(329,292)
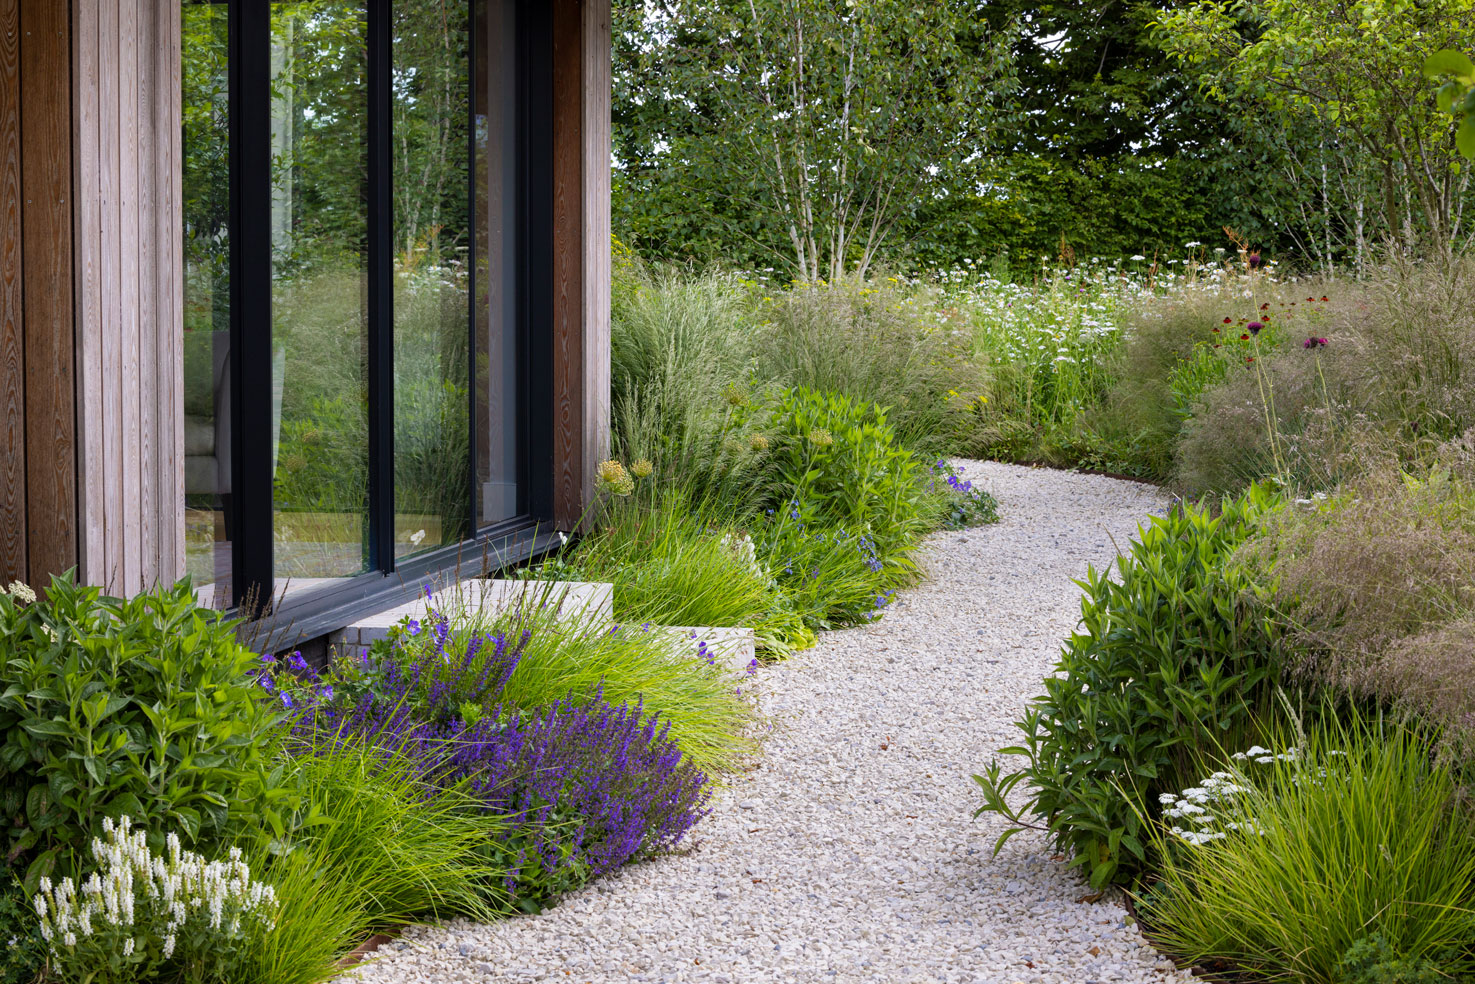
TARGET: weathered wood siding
(129,291)
(581,250)
(38,480)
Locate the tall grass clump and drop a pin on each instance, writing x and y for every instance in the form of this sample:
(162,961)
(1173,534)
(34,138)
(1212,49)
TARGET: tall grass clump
(579,657)
(678,356)
(375,848)
(878,342)
(673,562)
(1373,586)
(1347,858)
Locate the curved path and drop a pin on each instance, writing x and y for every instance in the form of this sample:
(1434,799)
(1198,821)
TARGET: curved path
(848,854)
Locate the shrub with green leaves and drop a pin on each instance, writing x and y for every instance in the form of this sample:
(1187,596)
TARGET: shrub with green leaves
(839,461)
(832,577)
(1347,858)
(1170,661)
(142,707)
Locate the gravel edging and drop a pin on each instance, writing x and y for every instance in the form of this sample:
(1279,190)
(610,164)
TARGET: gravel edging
(848,854)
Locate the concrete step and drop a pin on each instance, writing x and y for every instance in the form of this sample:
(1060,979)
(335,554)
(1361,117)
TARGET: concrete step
(571,599)
(733,648)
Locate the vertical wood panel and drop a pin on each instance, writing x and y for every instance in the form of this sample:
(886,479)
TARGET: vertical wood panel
(12,351)
(143,210)
(568,256)
(128,296)
(169,161)
(129,284)
(46,243)
(581,264)
(597,92)
(110,248)
(87,220)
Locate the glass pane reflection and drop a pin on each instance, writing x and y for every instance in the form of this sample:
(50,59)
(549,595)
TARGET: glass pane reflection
(319,399)
(432,238)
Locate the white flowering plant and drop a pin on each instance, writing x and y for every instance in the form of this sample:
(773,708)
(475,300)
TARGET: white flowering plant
(138,913)
(145,706)
(1309,859)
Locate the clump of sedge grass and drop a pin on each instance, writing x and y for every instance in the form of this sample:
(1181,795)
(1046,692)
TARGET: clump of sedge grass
(1354,842)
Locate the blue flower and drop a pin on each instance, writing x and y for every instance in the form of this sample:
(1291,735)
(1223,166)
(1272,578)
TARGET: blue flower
(413,626)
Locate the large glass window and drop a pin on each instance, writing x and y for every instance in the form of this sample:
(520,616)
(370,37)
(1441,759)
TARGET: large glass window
(353,354)
(206,404)
(498,356)
(432,244)
(319,265)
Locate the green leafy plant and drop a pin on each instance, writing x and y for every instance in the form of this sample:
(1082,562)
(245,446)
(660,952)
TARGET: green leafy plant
(1348,857)
(142,707)
(1171,659)
(832,577)
(961,504)
(838,459)
(22,949)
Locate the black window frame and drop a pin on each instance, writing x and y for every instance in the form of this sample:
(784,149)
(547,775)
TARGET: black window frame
(284,620)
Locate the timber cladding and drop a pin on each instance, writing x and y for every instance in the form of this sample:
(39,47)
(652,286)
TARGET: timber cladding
(581,251)
(129,291)
(38,476)
(90,292)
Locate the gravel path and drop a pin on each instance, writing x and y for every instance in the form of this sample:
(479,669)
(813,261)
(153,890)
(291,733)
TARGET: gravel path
(848,854)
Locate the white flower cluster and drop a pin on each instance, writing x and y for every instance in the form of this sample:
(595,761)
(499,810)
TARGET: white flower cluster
(21,592)
(178,892)
(1264,756)
(1200,806)
(741,544)
(1195,805)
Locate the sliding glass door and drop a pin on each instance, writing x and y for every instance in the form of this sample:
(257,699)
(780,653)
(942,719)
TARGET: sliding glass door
(354,244)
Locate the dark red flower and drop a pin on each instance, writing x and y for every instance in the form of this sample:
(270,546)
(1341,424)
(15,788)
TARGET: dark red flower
(1227,321)
(1244,338)
(1253,260)
(1312,343)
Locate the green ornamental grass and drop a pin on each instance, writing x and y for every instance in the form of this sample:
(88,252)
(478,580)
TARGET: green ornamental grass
(1351,854)
(711,721)
(373,849)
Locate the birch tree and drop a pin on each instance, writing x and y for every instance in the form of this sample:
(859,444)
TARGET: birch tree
(833,120)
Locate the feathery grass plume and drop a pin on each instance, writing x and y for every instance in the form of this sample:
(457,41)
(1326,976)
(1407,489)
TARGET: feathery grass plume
(1373,585)
(879,341)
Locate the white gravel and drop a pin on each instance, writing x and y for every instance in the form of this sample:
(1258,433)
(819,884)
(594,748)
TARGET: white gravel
(849,853)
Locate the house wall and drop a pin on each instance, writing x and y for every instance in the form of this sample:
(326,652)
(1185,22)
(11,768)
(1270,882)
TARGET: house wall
(91,373)
(129,291)
(581,251)
(38,503)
